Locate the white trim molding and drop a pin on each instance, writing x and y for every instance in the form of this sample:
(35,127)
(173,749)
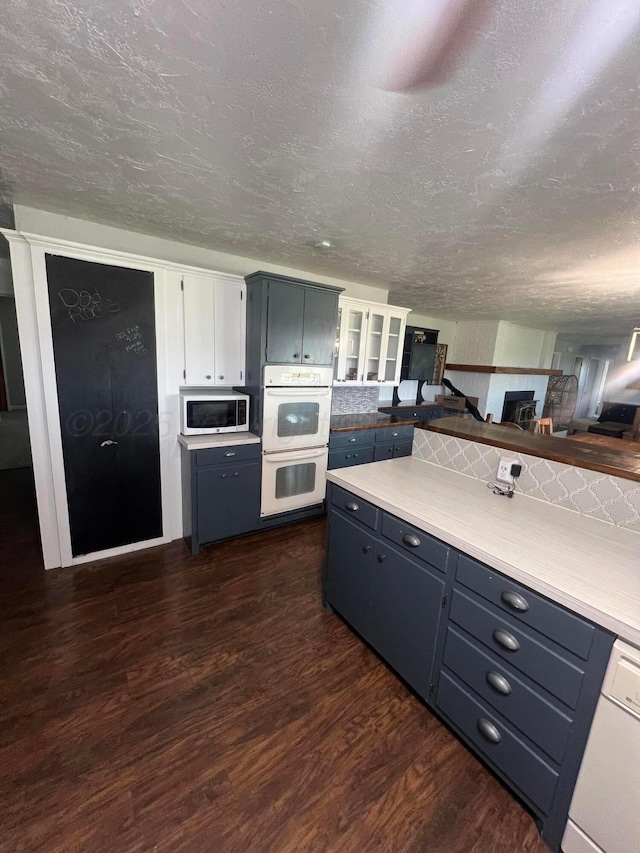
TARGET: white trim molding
(34,327)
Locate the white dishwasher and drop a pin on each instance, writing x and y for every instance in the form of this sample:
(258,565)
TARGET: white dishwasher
(605,810)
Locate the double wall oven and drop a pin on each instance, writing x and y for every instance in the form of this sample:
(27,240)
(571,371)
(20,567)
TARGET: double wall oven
(295,436)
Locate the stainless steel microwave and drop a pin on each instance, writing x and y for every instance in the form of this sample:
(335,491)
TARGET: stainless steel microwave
(211,410)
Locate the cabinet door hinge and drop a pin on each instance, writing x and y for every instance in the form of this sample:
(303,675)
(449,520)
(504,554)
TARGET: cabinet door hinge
(241,296)
(184,374)
(240,374)
(432,687)
(181,284)
(444,600)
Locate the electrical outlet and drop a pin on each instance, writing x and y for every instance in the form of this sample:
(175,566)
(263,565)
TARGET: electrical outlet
(504,470)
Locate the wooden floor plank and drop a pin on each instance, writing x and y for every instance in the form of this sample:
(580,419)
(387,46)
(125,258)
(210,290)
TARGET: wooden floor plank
(165,702)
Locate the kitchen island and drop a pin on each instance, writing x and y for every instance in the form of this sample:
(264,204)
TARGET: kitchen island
(500,613)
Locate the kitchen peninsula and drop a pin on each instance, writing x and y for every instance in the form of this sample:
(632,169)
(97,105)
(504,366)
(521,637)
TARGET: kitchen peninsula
(624,462)
(500,613)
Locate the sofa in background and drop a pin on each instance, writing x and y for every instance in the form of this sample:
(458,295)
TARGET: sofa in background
(614,420)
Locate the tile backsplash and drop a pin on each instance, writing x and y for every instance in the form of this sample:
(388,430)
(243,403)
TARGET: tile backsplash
(354,401)
(611,499)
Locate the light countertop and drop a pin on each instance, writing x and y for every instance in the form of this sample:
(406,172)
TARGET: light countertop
(221,439)
(590,567)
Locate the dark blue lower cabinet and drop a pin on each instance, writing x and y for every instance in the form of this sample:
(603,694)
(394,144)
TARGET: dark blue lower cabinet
(349,571)
(228,500)
(406,603)
(220,500)
(534,777)
(371,445)
(394,602)
(347,458)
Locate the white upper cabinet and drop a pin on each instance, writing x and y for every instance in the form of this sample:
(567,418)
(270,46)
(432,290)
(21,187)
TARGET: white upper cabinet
(214,330)
(370,342)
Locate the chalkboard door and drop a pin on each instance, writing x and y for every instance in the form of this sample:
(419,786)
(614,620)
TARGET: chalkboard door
(104,343)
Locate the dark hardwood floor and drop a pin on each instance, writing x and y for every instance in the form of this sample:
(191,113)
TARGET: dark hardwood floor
(163,702)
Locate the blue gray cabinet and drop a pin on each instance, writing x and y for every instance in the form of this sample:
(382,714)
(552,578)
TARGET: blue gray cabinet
(290,321)
(369,445)
(220,493)
(515,675)
(420,413)
(519,678)
(393,600)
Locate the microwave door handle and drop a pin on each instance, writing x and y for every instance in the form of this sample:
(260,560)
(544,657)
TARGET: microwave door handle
(294,456)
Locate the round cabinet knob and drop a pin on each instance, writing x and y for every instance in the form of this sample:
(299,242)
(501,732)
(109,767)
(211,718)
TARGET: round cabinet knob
(220,377)
(208,376)
(236,474)
(307,356)
(223,476)
(366,549)
(296,355)
(381,558)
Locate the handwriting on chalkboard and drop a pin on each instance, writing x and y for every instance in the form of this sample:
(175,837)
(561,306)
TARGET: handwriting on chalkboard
(83,305)
(132,338)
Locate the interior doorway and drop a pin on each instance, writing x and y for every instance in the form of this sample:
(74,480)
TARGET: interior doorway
(20,548)
(587,400)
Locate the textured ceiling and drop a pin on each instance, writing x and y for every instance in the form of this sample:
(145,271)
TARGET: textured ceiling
(510,191)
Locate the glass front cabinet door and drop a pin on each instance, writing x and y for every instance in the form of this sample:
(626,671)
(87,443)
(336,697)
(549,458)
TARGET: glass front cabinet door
(370,343)
(351,342)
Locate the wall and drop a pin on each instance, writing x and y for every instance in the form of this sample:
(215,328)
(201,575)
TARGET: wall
(520,346)
(610,499)
(474,342)
(60,227)
(11,359)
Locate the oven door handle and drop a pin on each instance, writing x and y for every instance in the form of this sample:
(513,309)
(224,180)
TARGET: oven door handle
(294,455)
(310,391)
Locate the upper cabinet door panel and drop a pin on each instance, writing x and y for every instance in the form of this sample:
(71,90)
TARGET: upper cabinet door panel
(320,316)
(285,322)
(230,330)
(214,330)
(199,332)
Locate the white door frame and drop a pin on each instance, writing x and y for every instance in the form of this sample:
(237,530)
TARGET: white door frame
(34,325)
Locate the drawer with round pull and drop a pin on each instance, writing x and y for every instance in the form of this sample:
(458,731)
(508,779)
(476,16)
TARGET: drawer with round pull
(416,542)
(540,659)
(355,507)
(498,742)
(228,453)
(518,701)
(357,438)
(567,629)
(394,433)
